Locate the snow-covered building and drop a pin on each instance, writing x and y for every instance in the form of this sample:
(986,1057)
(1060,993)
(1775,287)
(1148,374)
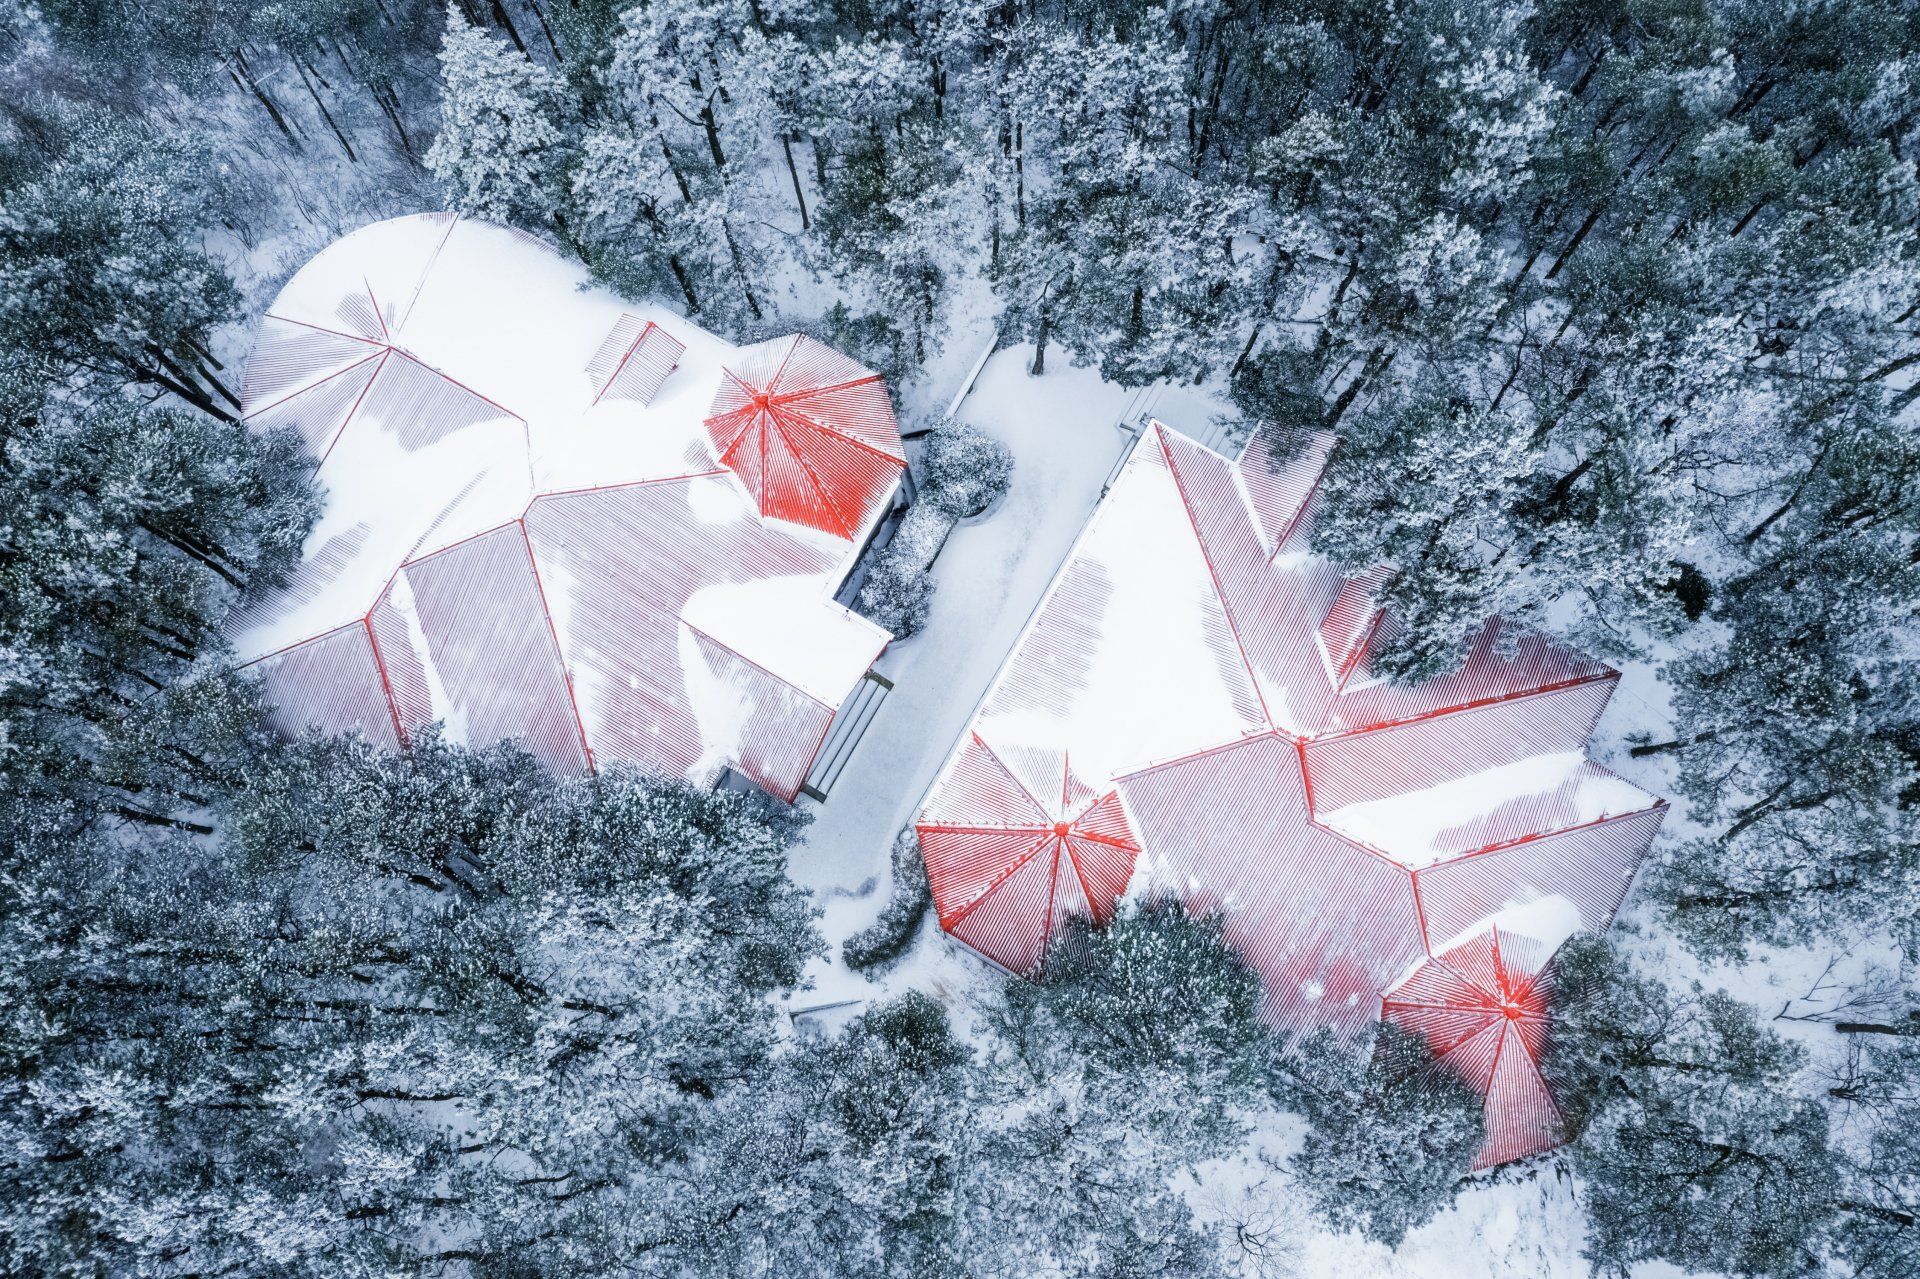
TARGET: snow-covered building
(1191,710)
(554,517)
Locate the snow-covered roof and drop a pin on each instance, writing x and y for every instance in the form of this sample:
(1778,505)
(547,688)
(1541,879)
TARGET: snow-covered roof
(1204,681)
(530,530)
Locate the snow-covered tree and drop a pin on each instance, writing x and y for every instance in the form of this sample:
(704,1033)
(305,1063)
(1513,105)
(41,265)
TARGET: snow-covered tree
(1693,1146)
(102,271)
(500,152)
(1390,1139)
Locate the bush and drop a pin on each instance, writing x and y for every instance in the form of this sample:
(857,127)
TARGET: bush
(963,470)
(898,593)
(876,948)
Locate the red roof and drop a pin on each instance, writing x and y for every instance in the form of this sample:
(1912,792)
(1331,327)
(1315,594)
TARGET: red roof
(1197,661)
(809,432)
(1022,839)
(1483,1009)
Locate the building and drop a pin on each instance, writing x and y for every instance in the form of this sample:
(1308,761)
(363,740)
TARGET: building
(1191,711)
(554,517)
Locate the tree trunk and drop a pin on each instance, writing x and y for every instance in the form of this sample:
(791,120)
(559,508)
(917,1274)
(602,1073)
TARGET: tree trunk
(686,285)
(251,85)
(513,34)
(786,144)
(540,16)
(300,66)
(192,394)
(1019,176)
(711,124)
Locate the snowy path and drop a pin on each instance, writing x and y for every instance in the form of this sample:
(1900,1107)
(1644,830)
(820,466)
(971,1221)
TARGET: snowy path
(1062,428)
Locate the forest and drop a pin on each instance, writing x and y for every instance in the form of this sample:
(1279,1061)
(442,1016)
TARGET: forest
(1614,308)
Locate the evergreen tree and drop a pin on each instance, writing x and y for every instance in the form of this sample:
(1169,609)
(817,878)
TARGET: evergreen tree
(1390,1140)
(1693,1145)
(1127,1065)
(102,276)
(500,152)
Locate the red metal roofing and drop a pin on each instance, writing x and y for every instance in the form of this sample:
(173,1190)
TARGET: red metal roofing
(461,575)
(1482,1008)
(1021,841)
(810,432)
(1346,828)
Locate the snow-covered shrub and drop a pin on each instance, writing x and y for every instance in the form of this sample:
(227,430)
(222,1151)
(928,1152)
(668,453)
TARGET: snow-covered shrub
(898,593)
(876,947)
(921,534)
(963,469)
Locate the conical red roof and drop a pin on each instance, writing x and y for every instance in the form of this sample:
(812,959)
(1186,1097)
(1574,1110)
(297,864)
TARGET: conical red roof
(1482,1008)
(809,432)
(1015,838)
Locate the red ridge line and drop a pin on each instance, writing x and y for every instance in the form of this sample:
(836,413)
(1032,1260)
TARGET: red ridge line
(624,484)
(813,477)
(1202,752)
(288,648)
(1007,768)
(449,378)
(1293,521)
(1086,889)
(1053,893)
(998,883)
(781,679)
(321,328)
(1419,909)
(1659,805)
(1558,686)
(316,384)
(1360,651)
(420,284)
(1233,627)
(441,550)
(1491,1011)
(378,318)
(631,348)
(799,392)
(559,654)
(826,426)
(359,399)
(949,828)
(386,686)
(1108,840)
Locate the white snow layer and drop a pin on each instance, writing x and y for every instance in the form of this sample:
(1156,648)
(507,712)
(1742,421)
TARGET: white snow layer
(1420,827)
(506,317)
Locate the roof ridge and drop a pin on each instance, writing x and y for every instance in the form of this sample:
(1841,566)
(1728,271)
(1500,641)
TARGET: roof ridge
(1213,574)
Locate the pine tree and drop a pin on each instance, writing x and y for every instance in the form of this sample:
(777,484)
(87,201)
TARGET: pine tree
(500,152)
(102,277)
(1693,1145)
(1390,1140)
